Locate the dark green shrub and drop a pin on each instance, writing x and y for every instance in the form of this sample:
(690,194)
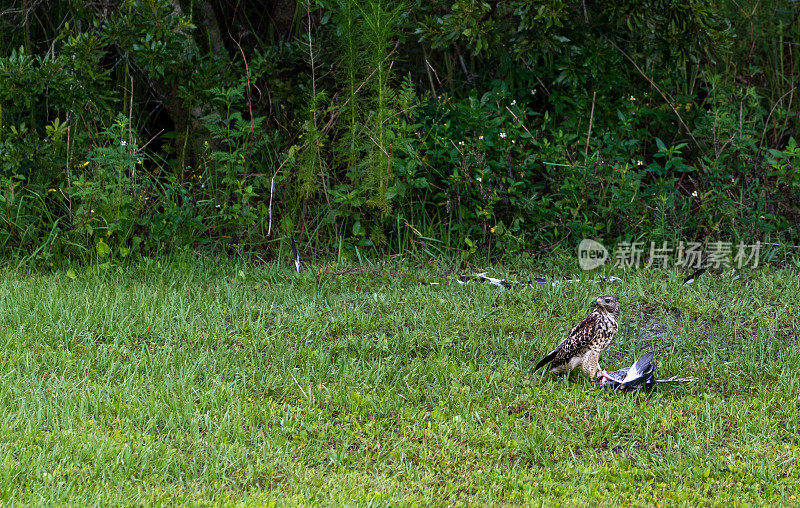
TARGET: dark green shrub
(362,128)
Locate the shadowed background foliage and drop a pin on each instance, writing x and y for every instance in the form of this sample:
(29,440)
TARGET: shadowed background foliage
(377,126)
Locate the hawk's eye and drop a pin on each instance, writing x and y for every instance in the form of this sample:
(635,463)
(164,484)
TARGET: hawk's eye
(608,300)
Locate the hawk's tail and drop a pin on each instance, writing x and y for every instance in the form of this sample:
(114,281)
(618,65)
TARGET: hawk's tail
(544,361)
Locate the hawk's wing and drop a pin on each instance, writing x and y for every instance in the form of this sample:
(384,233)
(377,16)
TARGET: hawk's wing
(579,339)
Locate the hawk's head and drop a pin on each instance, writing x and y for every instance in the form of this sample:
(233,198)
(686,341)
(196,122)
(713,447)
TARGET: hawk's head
(608,304)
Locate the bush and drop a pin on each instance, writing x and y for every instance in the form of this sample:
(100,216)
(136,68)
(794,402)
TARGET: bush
(383,126)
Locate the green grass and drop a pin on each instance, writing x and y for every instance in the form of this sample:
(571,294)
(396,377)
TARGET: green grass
(210,382)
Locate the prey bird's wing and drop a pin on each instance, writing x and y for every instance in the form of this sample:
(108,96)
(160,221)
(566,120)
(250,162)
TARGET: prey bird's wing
(640,368)
(677,379)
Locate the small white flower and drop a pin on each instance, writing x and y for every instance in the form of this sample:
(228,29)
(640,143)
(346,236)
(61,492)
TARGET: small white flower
(694,193)
(217,206)
(503,135)
(533,92)
(479,179)
(91,211)
(513,141)
(631,98)
(123,143)
(640,163)
(480,137)
(461,143)
(514,102)
(203,186)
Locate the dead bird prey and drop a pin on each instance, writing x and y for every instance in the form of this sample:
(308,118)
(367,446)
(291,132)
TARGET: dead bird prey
(640,375)
(586,341)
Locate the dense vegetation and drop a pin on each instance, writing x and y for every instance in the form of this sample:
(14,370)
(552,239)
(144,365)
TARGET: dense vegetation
(373,126)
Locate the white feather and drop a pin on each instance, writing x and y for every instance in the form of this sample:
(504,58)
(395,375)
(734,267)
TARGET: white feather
(632,374)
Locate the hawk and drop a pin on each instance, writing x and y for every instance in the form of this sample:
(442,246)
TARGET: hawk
(586,341)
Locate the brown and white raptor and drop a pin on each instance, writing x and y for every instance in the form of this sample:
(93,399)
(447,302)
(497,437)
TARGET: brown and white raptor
(586,341)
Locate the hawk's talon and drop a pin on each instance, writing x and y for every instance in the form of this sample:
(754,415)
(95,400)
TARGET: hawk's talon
(603,377)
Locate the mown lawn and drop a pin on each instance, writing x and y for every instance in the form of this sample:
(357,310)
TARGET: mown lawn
(210,382)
